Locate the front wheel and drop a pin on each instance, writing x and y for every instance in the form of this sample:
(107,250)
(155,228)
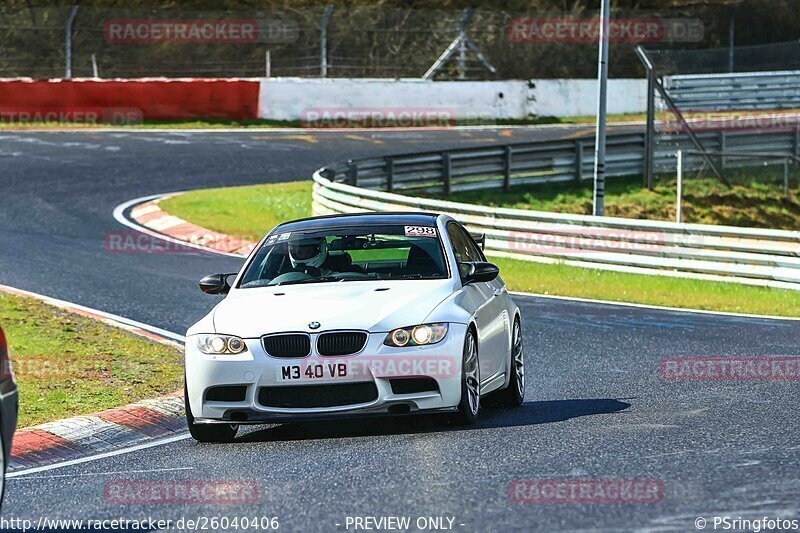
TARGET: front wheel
(208,432)
(470,406)
(514,393)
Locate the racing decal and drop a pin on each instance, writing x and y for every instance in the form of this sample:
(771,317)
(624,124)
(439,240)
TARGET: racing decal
(278,237)
(420,231)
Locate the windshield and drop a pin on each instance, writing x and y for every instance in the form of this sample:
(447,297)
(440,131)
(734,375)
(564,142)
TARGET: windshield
(347,254)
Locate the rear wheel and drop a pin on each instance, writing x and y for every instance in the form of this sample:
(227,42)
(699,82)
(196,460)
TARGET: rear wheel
(207,432)
(470,406)
(514,393)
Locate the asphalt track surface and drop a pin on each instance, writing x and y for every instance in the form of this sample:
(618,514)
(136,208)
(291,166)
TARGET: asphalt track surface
(596,405)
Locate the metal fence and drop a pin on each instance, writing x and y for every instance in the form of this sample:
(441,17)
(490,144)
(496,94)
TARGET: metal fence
(723,92)
(540,162)
(773,177)
(345,41)
(705,95)
(784,141)
(491,167)
(774,54)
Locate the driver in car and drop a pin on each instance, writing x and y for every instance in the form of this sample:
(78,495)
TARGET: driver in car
(308,255)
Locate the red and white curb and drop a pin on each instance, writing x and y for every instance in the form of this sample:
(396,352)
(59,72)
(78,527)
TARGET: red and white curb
(105,431)
(149,215)
(108,430)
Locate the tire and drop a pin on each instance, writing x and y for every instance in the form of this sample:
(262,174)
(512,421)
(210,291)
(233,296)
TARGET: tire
(514,393)
(469,407)
(207,432)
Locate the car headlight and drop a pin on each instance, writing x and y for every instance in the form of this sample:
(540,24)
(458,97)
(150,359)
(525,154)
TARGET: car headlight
(220,344)
(416,335)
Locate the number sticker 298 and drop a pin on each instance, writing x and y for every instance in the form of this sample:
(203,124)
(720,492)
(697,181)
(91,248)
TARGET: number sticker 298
(420,231)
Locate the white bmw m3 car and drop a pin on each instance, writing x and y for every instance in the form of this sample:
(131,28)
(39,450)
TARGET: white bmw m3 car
(354,315)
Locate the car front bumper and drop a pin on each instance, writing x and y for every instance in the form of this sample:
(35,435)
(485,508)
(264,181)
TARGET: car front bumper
(395,378)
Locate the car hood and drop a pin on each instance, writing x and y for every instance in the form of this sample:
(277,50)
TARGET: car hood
(365,305)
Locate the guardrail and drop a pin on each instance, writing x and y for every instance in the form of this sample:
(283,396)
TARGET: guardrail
(748,90)
(505,166)
(746,255)
(491,167)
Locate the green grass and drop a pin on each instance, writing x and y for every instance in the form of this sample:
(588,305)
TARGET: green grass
(247,212)
(67,364)
(705,201)
(566,280)
(251,211)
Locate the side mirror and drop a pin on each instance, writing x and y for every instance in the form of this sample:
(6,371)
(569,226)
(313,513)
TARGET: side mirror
(474,271)
(215,284)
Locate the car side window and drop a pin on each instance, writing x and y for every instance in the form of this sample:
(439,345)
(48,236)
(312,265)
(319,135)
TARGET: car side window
(463,247)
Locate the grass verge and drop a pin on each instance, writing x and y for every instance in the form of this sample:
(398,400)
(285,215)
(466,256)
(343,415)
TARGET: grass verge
(251,211)
(565,280)
(67,364)
(748,203)
(247,212)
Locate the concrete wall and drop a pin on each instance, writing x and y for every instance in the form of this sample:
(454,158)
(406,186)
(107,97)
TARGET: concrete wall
(340,102)
(309,99)
(577,98)
(333,102)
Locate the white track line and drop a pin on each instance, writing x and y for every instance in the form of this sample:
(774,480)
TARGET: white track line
(656,307)
(127,321)
(315,130)
(112,453)
(119,216)
(89,474)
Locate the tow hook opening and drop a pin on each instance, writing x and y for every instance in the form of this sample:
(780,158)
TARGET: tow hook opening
(238,416)
(400,409)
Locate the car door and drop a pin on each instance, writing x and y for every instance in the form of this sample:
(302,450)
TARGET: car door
(491,316)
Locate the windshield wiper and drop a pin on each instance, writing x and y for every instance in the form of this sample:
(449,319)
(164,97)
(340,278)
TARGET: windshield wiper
(416,276)
(322,279)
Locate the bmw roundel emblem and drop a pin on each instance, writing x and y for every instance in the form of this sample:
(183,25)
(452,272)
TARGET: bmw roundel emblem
(314,325)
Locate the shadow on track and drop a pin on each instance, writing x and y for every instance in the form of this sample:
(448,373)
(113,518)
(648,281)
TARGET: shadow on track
(528,414)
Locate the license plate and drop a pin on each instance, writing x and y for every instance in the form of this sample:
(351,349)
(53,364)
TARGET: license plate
(314,371)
